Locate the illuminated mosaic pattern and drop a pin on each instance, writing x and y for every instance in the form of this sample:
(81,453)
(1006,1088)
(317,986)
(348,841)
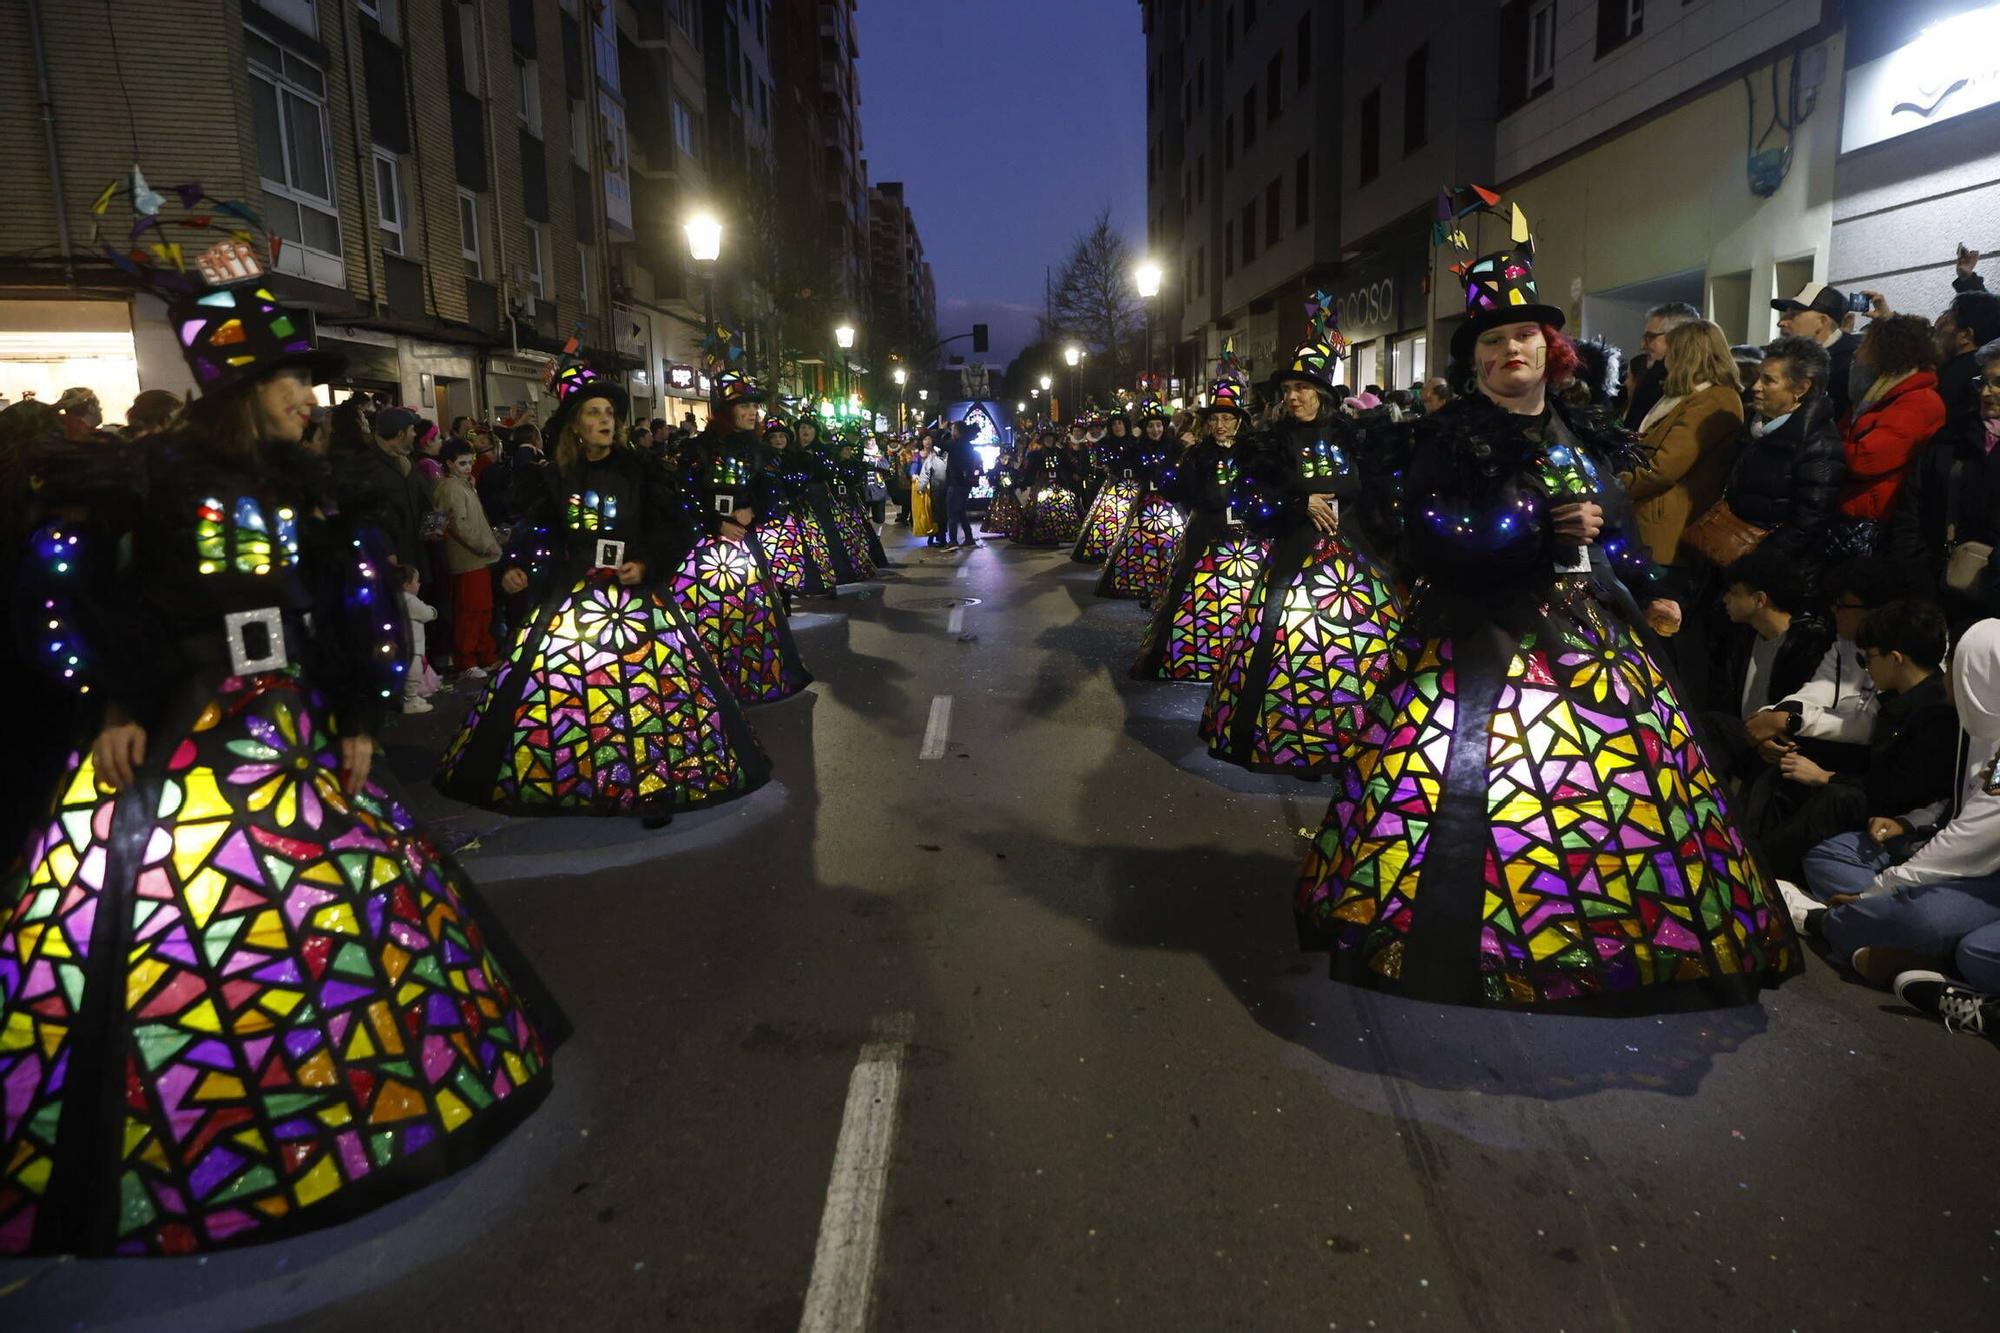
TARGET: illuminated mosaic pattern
(1003,514)
(740,620)
(1143,560)
(610,707)
(1054,518)
(1330,649)
(1106,520)
(1609,862)
(295,998)
(853,533)
(784,543)
(1194,625)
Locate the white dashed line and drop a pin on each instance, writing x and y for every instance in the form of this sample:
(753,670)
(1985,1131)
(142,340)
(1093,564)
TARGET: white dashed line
(956,624)
(938,734)
(850,1230)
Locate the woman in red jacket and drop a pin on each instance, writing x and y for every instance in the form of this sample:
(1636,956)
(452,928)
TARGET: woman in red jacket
(1895,418)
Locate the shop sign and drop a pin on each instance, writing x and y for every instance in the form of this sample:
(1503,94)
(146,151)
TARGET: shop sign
(1949,69)
(681,379)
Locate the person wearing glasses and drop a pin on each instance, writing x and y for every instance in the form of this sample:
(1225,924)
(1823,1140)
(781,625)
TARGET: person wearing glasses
(1652,385)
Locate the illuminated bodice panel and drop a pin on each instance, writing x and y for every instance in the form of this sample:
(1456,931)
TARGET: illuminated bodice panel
(591,511)
(243,536)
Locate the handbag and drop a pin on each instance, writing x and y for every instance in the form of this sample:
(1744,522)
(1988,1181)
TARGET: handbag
(1965,563)
(1721,536)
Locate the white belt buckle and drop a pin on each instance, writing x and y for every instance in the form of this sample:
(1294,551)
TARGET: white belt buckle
(1128,474)
(1229,516)
(725,505)
(610,553)
(241,660)
(1579,565)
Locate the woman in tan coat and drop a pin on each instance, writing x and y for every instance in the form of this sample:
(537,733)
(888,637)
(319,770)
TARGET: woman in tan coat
(1691,437)
(470,550)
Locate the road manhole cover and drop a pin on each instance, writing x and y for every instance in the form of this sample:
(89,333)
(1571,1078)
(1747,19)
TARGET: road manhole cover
(939,603)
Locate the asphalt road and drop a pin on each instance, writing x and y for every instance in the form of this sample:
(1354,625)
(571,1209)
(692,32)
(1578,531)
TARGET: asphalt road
(1125,1101)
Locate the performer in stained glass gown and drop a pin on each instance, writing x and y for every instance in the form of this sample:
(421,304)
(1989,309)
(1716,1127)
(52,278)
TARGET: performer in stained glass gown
(1291,693)
(1528,819)
(242,994)
(844,476)
(1117,457)
(1142,557)
(608,703)
(1053,514)
(795,550)
(805,479)
(1197,613)
(723,584)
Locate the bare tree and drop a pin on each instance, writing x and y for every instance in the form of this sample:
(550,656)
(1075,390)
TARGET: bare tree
(1094,296)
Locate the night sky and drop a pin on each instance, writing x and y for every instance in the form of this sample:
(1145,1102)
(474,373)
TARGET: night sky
(1011,122)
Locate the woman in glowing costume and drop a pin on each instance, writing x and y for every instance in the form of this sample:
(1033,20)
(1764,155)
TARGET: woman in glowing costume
(1117,456)
(794,545)
(1196,616)
(1142,556)
(723,584)
(607,704)
(242,995)
(1291,694)
(1528,819)
(1053,513)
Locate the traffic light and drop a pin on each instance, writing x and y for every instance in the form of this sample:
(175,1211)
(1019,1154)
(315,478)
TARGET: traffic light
(979,338)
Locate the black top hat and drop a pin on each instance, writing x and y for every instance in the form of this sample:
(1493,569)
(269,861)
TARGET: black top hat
(1315,360)
(577,384)
(1499,287)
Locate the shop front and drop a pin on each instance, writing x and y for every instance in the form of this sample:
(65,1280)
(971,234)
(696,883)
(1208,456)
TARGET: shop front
(47,346)
(1382,315)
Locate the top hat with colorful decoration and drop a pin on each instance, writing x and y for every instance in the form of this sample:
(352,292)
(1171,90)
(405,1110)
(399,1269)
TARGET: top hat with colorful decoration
(1499,286)
(1314,360)
(1154,410)
(1228,393)
(728,383)
(575,385)
(230,327)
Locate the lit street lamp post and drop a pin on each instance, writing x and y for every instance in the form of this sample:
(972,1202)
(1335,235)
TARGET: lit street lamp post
(1073,358)
(1148,279)
(902,378)
(704,237)
(843,338)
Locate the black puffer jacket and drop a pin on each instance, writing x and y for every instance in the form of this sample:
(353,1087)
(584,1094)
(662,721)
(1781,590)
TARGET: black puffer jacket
(1788,480)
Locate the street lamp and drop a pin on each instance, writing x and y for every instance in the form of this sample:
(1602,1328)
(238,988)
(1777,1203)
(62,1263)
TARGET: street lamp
(1148,280)
(1073,358)
(843,338)
(902,378)
(704,236)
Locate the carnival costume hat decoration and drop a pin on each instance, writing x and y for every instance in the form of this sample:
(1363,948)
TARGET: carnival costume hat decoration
(231,329)
(728,384)
(1153,410)
(1313,361)
(1500,286)
(1227,393)
(576,384)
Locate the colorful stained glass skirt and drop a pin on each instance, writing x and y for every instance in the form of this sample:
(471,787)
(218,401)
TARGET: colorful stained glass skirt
(854,533)
(1581,850)
(1198,615)
(237,1003)
(1003,515)
(607,704)
(735,609)
(1142,560)
(1105,521)
(783,543)
(1293,690)
(1055,519)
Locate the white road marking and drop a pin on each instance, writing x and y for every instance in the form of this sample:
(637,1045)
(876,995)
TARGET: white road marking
(956,624)
(965,571)
(938,733)
(850,1230)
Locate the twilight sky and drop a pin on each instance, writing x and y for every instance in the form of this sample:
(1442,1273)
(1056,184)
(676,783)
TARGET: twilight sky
(1010,122)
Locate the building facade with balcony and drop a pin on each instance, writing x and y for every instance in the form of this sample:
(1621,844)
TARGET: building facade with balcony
(902,302)
(448,233)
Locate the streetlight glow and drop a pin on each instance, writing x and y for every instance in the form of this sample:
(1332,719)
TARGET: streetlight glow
(900,375)
(704,235)
(923,395)
(1048,383)
(1149,276)
(844,336)
(1072,354)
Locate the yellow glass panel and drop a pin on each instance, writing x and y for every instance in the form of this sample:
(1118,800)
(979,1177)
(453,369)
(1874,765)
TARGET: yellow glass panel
(316,1184)
(203,890)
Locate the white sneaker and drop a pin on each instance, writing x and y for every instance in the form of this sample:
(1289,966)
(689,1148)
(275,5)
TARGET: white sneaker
(1798,903)
(473,673)
(414,703)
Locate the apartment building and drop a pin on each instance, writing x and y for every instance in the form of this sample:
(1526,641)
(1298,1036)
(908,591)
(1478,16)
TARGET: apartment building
(1243,211)
(902,300)
(446,178)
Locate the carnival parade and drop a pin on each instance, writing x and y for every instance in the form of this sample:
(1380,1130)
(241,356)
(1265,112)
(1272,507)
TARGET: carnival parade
(1409,742)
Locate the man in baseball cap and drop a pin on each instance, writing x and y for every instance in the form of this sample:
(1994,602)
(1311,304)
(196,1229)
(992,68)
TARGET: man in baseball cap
(1816,313)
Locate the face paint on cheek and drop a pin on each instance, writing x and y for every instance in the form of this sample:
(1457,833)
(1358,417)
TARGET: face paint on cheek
(1540,359)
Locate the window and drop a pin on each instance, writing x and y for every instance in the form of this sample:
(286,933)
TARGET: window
(1618,22)
(390,210)
(299,13)
(1228,249)
(294,155)
(1302,191)
(586,267)
(1541,45)
(528,92)
(1274,87)
(1249,232)
(532,260)
(1304,46)
(1274,221)
(1416,99)
(685,138)
(384,14)
(468,234)
(1250,118)
(468,47)
(1371,136)
(579,133)
(1201,269)
(1228,143)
